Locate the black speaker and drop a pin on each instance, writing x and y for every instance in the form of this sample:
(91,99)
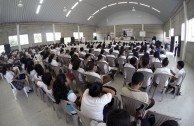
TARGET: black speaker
(72,40)
(172,43)
(62,40)
(7,48)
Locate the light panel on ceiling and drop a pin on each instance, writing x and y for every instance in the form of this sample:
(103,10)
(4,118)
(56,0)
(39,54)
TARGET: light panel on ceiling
(96,12)
(144,5)
(68,13)
(133,2)
(38,9)
(103,7)
(41,1)
(122,2)
(156,9)
(75,5)
(112,4)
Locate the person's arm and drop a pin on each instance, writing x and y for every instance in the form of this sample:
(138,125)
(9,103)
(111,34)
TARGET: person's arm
(172,72)
(108,90)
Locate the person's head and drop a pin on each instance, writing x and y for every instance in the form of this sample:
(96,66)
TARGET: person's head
(7,67)
(76,64)
(51,58)
(39,69)
(180,65)
(47,78)
(145,62)
(60,88)
(137,79)
(170,123)
(30,66)
(95,89)
(133,61)
(61,51)
(90,66)
(87,57)
(81,49)
(136,54)
(110,51)
(100,57)
(118,117)
(165,62)
(102,51)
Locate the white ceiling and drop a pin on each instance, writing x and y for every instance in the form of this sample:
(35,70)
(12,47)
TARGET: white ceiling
(52,10)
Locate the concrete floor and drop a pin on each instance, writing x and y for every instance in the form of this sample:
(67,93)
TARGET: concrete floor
(34,112)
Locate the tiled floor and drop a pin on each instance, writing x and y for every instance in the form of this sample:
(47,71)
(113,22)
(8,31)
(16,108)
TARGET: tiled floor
(34,112)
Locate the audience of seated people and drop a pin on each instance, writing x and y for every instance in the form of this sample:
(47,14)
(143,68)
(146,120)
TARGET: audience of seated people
(97,97)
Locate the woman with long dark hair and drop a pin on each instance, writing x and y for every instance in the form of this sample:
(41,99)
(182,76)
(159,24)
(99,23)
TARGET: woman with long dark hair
(62,91)
(39,72)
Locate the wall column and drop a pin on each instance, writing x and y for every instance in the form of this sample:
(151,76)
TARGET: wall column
(18,37)
(170,28)
(115,31)
(78,30)
(142,28)
(186,24)
(54,39)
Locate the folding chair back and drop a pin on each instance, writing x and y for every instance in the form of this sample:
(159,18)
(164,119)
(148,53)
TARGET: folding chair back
(92,79)
(103,67)
(115,54)
(67,60)
(128,73)
(64,105)
(160,118)
(131,105)
(111,61)
(156,65)
(121,62)
(85,120)
(80,79)
(96,53)
(147,76)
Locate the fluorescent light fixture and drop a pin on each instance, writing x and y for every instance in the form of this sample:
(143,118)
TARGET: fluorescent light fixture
(90,18)
(20,4)
(144,5)
(80,0)
(122,2)
(74,5)
(38,9)
(68,13)
(41,1)
(103,7)
(96,12)
(133,2)
(156,9)
(112,4)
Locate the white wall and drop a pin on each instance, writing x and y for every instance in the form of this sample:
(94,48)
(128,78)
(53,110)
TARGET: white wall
(129,17)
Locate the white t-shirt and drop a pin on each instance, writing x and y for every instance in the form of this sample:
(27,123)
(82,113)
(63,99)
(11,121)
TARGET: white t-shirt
(163,70)
(136,94)
(44,87)
(32,73)
(54,63)
(129,65)
(93,106)
(155,60)
(37,78)
(179,76)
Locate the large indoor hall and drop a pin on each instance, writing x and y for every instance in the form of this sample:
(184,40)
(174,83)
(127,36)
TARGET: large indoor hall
(96,62)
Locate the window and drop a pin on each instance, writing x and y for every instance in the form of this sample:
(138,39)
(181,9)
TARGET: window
(57,36)
(24,39)
(75,34)
(2,49)
(37,38)
(183,32)
(94,34)
(49,37)
(190,30)
(172,31)
(13,41)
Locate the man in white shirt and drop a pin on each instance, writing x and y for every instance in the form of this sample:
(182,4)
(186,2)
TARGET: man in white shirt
(163,70)
(134,92)
(133,63)
(178,77)
(93,103)
(145,65)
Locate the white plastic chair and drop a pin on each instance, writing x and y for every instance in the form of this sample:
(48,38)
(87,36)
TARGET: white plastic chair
(14,90)
(128,73)
(160,118)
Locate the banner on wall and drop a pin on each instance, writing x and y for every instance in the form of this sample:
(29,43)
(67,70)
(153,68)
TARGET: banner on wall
(127,32)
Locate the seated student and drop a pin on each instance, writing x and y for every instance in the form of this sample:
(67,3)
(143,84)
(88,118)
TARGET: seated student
(91,70)
(134,92)
(178,77)
(93,103)
(67,54)
(39,72)
(162,55)
(30,69)
(47,83)
(76,65)
(53,60)
(82,52)
(117,117)
(86,59)
(110,54)
(145,67)
(15,79)
(156,57)
(133,63)
(163,70)
(62,91)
